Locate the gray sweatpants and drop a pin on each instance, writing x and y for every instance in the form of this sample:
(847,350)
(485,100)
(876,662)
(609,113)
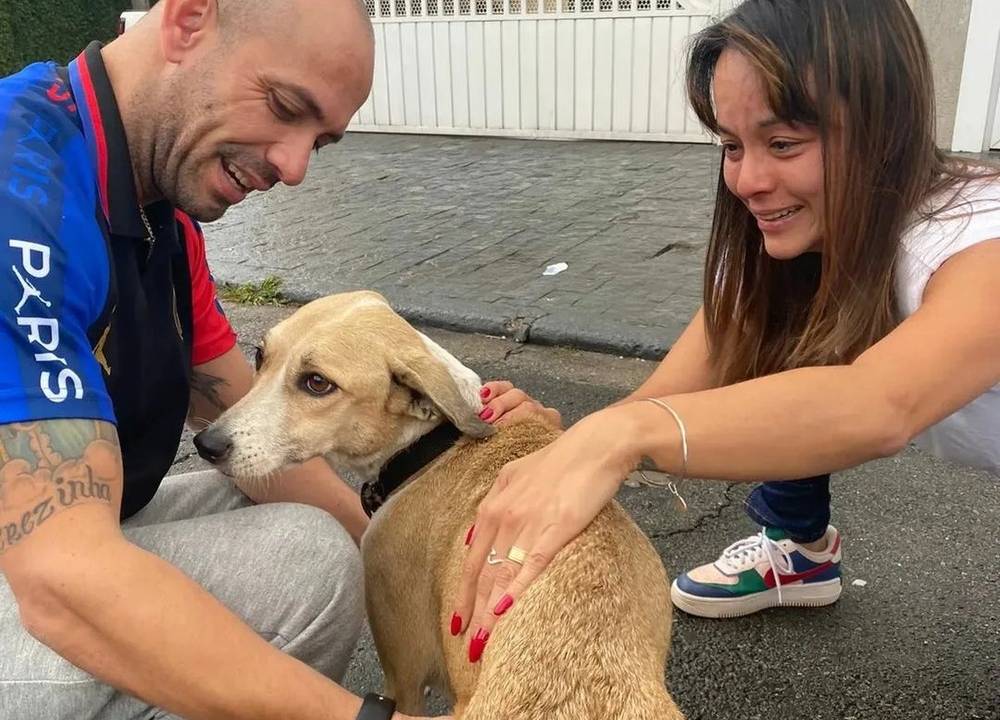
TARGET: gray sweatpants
(290,571)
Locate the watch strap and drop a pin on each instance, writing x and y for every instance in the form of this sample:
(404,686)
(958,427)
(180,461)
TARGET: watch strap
(377,707)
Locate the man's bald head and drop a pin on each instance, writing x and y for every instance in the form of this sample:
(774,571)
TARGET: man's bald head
(241,92)
(237,17)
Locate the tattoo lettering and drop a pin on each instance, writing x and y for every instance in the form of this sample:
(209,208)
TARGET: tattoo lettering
(51,465)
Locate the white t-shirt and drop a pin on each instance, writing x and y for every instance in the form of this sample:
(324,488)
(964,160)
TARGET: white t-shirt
(971,435)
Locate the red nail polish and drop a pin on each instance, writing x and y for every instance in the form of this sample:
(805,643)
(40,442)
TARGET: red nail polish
(478,644)
(484,393)
(468,535)
(503,606)
(486,414)
(456,624)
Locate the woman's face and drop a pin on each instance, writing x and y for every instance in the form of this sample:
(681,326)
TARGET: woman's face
(774,168)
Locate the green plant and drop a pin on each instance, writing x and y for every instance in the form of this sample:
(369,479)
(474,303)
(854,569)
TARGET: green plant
(53,30)
(266,292)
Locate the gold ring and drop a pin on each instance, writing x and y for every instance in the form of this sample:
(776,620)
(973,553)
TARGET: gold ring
(516,554)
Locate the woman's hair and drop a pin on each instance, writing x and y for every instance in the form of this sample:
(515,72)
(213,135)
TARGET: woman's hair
(858,71)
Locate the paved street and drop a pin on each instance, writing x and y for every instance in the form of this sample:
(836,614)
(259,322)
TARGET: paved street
(457,232)
(918,640)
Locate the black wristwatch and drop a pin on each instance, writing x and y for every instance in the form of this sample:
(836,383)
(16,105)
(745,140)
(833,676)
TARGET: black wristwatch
(377,707)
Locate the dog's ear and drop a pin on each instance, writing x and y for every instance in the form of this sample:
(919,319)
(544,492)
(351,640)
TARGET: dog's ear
(436,391)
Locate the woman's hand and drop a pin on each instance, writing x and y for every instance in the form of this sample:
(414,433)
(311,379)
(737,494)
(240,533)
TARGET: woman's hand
(538,504)
(503,403)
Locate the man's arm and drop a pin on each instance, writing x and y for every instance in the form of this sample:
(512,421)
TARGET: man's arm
(120,613)
(219,384)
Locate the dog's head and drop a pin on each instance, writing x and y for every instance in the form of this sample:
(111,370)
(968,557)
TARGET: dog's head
(347,378)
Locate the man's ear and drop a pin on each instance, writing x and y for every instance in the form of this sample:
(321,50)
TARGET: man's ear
(185,25)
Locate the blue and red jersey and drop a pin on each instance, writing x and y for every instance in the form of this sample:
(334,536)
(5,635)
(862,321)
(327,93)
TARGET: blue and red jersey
(98,320)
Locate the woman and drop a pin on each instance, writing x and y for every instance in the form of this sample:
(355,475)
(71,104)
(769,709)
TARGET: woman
(850,306)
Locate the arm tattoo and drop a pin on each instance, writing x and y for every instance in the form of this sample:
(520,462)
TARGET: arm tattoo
(50,465)
(208,386)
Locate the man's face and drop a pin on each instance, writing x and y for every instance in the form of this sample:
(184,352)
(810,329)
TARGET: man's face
(246,114)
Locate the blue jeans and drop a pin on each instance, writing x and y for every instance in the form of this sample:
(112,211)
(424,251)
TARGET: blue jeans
(799,507)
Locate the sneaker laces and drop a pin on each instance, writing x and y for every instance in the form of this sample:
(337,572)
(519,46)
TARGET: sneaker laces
(751,550)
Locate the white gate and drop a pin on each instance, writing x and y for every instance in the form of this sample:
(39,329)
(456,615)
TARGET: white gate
(995,135)
(603,69)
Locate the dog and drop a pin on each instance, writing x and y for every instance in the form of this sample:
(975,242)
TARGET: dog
(347,378)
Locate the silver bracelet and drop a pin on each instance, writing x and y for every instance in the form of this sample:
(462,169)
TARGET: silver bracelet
(680,426)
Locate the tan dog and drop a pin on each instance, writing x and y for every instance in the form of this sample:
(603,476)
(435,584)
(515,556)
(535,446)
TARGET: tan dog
(347,378)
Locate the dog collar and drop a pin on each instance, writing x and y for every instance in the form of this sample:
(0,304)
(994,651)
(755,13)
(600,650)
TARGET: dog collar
(407,463)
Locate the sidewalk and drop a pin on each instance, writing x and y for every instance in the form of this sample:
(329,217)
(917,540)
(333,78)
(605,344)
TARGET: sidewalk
(456,232)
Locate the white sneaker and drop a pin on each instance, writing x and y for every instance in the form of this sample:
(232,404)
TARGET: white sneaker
(761,571)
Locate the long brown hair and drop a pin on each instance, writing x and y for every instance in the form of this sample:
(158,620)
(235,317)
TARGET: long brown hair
(858,71)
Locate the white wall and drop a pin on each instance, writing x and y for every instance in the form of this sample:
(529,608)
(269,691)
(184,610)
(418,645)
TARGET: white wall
(977,97)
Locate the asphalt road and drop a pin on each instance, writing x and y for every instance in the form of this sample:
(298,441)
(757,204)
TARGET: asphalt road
(916,634)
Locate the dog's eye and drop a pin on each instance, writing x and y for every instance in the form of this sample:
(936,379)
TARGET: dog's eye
(258,358)
(317,385)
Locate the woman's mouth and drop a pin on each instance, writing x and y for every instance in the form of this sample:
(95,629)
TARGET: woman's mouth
(774,220)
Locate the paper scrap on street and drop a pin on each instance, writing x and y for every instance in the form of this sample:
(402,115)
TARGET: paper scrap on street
(555,269)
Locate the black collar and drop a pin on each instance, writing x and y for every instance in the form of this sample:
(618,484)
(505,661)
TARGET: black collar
(408,463)
(108,144)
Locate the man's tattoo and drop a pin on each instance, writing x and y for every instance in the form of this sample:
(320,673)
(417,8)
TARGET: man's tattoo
(207,386)
(51,465)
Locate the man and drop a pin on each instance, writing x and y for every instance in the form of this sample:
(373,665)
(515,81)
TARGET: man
(122,596)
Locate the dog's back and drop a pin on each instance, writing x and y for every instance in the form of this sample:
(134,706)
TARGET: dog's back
(588,640)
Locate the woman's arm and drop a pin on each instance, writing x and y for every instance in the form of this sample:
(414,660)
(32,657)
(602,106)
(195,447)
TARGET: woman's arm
(685,368)
(813,420)
(788,425)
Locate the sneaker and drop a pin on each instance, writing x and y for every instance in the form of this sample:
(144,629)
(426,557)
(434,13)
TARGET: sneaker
(761,571)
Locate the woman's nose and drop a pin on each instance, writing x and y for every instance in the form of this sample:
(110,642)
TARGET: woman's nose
(755,175)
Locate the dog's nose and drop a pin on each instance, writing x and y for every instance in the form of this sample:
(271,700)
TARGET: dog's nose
(213,445)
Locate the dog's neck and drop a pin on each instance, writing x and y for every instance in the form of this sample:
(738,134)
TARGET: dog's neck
(406,463)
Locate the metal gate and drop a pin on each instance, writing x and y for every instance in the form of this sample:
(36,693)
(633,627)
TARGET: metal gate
(603,69)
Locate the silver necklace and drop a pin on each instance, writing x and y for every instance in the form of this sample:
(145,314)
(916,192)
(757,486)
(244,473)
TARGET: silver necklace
(150,235)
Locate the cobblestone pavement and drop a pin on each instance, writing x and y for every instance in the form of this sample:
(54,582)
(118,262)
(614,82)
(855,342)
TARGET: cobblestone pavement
(456,232)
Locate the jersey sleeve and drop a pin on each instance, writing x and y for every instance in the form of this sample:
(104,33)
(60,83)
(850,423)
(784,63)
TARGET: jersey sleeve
(213,335)
(54,268)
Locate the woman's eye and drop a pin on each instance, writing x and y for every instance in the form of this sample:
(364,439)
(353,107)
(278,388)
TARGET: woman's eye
(318,385)
(258,358)
(783,145)
(730,149)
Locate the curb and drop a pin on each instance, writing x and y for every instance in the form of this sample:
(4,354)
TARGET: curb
(556,329)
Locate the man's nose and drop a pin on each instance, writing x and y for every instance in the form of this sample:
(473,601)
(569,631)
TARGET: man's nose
(291,160)
(213,445)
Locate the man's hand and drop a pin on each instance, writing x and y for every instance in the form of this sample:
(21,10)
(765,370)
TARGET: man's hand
(314,483)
